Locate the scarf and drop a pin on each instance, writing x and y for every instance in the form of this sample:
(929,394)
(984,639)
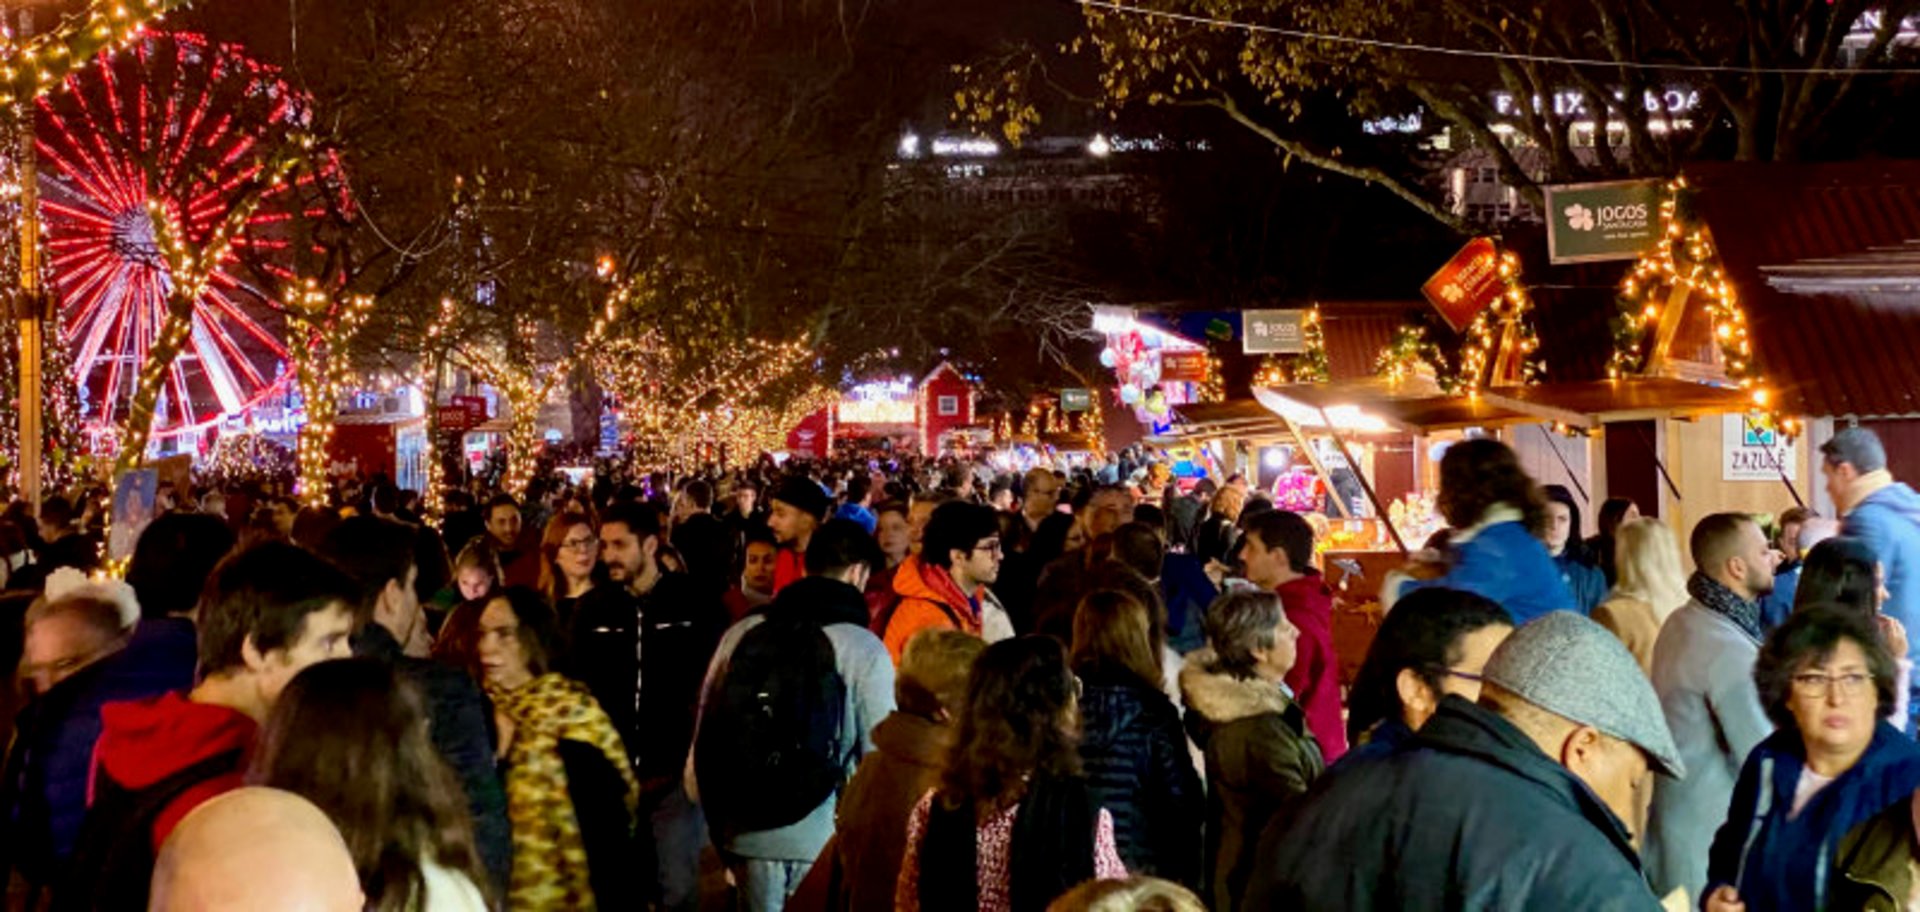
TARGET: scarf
(1051,852)
(1867,485)
(1721,600)
(549,856)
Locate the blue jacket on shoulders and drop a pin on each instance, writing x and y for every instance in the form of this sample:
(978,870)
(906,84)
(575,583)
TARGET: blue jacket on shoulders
(1790,864)
(1585,581)
(1888,520)
(1505,563)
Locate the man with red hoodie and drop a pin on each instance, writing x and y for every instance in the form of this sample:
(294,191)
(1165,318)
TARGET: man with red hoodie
(267,613)
(1278,554)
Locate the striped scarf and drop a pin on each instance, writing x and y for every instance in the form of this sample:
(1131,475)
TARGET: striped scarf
(549,857)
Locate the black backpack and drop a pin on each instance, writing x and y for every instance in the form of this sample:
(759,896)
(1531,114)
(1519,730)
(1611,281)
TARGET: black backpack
(113,858)
(770,750)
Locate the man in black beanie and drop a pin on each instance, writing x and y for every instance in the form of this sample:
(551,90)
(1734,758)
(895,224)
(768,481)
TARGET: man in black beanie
(799,506)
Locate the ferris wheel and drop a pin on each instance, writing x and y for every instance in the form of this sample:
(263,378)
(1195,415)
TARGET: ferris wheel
(176,121)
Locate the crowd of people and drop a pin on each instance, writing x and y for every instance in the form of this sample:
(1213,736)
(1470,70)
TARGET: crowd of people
(921,686)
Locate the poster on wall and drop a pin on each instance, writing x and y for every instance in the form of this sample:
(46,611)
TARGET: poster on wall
(1751,450)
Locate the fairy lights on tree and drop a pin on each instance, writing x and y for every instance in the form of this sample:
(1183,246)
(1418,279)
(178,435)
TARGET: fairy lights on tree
(1310,366)
(41,64)
(323,327)
(682,410)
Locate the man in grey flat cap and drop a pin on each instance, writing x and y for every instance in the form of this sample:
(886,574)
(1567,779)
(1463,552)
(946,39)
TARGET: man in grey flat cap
(1521,801)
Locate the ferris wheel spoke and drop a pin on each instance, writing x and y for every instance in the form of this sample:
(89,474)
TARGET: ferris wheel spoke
(93,291)
(213,364)
(116,168)
(238,316)
(183,397)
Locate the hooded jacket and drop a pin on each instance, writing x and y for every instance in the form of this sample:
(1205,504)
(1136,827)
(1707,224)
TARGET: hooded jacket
(1315,676)
(1879,860)
(928,600)
(1135,756)
(1469,814)
(1888,520)
(1780,862)
(863,666)
(1259,756)
(860,866)
(145,741)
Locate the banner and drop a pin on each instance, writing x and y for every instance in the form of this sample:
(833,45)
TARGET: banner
(1273,332)
(1183,367)
(1467,285)
(1617,220)
(1753,451)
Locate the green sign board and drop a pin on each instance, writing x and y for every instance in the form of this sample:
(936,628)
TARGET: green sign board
(1618,220)
(1273,332)
(1076,400)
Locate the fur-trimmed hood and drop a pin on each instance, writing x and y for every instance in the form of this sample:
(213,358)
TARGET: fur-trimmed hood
(1222,698)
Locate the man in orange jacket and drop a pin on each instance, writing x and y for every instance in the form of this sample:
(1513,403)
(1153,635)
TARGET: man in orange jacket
(944,587)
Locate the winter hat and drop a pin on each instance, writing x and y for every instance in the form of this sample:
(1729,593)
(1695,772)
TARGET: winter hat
(1575,669)
(802,494)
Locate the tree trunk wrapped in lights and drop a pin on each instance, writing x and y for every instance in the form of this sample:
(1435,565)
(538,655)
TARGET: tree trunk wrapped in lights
(325,328)
(43,63)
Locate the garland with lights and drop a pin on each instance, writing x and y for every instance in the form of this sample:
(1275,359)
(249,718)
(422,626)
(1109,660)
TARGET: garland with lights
(41,64)
(1310,366)
(1409,355)
(190,265)
(1514,308)
(324,329)
(1684,263)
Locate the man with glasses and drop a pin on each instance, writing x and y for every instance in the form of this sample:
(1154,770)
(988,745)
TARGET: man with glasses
(960,557)
(1703,669)
(1039,499)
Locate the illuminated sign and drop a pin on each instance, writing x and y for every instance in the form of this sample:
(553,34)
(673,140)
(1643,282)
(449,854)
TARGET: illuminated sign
(1570,103)
(876,411)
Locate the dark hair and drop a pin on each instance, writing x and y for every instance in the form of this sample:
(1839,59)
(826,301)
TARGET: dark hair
(643,522)
(373,552)
(839,544)
(1139,546)
(1151,515)
(956,526)
(1113,638)
(891,506)
(1810,635)
(858,487)
(1560,495)
(498,501)
(1613,511)
(1713,538)
(700,493)
(539,628)
(1287,531)
(1050,539)
(1423,633)
(384,497)
(172,560)
(1012,725)
(1237,624)
(312,525)
(265,593)
(758,535)
(57,511)
(1840,570)
(351,737)
(1476,474)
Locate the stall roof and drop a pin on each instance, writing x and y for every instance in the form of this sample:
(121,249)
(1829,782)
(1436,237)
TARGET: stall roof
(1375,406)
(1824,354)
(1591,403)
(1240,418)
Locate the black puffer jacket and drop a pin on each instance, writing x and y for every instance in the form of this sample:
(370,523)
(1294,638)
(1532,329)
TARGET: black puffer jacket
(1136,760)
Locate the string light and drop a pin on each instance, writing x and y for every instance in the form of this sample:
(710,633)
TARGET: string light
(324,329)
(1310,366)
(40,65)
(1683,264)
(1409,355)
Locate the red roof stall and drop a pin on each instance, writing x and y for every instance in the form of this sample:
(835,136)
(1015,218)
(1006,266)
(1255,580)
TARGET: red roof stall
(945,404)
(394,445)
(813,437)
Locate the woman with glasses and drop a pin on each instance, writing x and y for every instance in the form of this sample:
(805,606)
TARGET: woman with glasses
(1259,753)
(1013,824)
(1827,682)
(1434,643)
(570,553)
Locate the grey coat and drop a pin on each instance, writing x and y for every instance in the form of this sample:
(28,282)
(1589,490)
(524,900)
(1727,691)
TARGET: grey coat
(1703,672)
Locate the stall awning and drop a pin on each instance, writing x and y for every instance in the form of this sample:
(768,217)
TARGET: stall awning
(1375,406)
(1241,419)
(1597,402)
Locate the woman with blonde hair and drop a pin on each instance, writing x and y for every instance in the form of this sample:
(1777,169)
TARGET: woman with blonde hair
(1652,585)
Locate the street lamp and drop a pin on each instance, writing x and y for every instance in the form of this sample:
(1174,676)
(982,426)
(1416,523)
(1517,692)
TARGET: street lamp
(31,301)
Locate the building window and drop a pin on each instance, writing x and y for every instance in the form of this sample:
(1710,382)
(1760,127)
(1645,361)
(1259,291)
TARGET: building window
(949,406)
(1489,176)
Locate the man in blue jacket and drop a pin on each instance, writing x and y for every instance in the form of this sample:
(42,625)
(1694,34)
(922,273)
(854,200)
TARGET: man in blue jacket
(1882,512)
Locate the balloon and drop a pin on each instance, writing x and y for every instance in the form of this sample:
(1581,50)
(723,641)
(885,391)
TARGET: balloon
(1130,394)
(1108,357)
(1157,403)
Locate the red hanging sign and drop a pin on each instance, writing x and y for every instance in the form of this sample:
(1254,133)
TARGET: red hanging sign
(1467,285)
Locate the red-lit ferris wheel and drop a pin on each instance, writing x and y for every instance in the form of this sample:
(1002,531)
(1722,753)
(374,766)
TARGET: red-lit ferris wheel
(179,121)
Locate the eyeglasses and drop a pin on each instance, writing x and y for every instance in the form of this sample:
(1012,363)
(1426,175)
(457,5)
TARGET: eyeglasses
(992,547)
(1462,675)
(1815,684)
(580,544)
